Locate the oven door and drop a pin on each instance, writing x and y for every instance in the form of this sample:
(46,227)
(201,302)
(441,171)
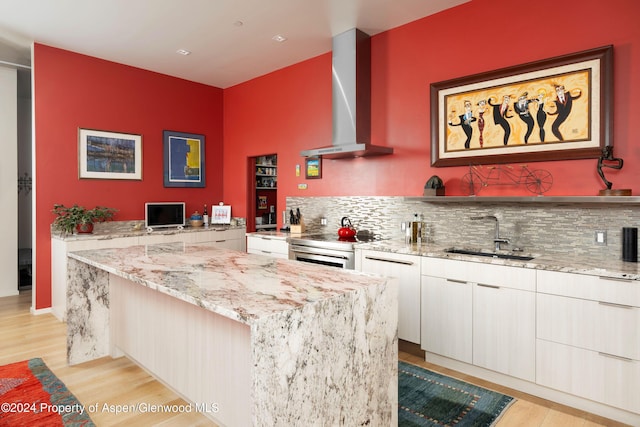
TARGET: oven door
(333,258)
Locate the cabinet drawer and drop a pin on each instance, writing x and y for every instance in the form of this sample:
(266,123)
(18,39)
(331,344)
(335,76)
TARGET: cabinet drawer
(617,291)
(267,253)
(220,235)
(589,374)
(401,261)
(152,239)
(476,272)
(267,246)
(592,325)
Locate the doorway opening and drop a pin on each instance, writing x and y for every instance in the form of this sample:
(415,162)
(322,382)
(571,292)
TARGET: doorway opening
(263,193)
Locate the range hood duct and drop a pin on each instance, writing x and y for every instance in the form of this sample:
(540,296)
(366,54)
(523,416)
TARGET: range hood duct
(351,99)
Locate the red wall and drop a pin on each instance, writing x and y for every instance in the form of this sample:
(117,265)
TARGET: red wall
(290,109)
(73,91)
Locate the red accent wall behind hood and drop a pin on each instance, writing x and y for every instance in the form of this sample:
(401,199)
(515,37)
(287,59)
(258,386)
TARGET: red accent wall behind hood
(290,110)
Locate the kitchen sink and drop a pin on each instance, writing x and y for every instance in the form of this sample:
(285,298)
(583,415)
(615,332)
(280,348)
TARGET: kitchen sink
(489,254)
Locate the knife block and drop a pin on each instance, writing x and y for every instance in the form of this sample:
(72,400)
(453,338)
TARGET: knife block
(297,228)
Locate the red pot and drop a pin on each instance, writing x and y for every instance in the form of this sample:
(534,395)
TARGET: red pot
(85,228)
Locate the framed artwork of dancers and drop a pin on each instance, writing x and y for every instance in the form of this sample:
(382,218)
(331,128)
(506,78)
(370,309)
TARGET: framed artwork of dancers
(554,109)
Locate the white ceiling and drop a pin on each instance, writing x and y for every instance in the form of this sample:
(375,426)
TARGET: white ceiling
(147,33)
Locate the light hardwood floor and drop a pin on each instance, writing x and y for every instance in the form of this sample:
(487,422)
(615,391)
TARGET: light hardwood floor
(121,382)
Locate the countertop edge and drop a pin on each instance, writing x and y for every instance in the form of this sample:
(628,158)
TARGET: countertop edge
(141,233)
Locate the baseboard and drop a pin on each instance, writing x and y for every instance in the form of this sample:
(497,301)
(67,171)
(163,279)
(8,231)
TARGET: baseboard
(537,390)
(39,311)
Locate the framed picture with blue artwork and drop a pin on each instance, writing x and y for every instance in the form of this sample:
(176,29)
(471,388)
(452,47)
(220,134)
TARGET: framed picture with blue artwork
(109,155)
(183,159)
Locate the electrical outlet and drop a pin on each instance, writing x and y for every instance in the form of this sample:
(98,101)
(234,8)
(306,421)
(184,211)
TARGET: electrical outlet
(601,238)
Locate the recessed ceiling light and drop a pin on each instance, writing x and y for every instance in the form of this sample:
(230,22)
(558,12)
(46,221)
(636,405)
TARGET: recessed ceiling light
(183,52)
(279,38)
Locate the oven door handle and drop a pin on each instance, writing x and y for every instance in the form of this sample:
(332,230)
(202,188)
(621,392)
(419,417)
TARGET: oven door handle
(316,254)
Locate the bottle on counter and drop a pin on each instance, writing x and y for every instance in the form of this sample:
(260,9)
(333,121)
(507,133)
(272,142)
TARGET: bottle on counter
(415,229)
(205,216)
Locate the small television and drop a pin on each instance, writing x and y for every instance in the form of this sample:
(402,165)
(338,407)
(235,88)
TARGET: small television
(167,214)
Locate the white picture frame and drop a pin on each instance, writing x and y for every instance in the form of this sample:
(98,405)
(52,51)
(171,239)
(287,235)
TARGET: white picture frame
(220,214)
(109,155)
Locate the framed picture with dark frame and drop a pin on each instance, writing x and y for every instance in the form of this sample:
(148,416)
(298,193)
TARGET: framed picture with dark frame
(313,167)
(109,155)
(555,109)
(184,164)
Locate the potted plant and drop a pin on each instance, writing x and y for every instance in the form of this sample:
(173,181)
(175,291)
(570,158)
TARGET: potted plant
(79,218)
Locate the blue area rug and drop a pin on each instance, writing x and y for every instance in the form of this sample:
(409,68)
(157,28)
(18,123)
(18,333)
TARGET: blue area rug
(426,398)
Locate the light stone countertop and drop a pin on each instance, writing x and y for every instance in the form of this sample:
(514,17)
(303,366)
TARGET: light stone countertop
(568,263)
(105,233)
(240,286)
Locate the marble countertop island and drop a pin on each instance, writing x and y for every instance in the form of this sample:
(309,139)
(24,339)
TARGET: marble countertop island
(242,287)
(297,342)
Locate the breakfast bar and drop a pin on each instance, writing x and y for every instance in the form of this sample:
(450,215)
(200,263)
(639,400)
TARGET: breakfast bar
(247,339)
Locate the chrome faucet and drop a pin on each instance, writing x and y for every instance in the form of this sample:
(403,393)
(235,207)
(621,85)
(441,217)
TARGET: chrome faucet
(497,239)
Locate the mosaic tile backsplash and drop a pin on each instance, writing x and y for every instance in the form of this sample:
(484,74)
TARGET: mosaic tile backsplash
(532,227)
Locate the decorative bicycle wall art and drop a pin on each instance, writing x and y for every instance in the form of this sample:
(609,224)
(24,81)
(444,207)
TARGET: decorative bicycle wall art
(537,181)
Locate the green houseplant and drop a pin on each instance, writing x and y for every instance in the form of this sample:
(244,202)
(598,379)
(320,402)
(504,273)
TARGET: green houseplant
(79,218)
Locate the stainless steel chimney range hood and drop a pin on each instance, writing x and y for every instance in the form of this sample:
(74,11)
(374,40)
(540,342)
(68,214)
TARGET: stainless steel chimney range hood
(351,100)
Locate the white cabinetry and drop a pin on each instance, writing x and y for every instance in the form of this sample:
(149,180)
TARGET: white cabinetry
(223,238)
(588,331)
(446,317)
(274,246)
(504,334)
(232,238)
(407,269)
(481,314)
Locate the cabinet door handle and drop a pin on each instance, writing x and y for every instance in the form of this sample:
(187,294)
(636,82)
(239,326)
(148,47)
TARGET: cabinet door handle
(610,304)
(456,281)
(615,279)
(613,356)
(488,286)
(265,238)
(394,261)
(220,241)
(266,252)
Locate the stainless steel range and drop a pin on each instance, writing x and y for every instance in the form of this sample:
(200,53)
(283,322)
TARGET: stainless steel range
(327,249)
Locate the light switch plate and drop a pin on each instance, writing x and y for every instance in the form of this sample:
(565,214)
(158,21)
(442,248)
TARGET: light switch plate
(601,238)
